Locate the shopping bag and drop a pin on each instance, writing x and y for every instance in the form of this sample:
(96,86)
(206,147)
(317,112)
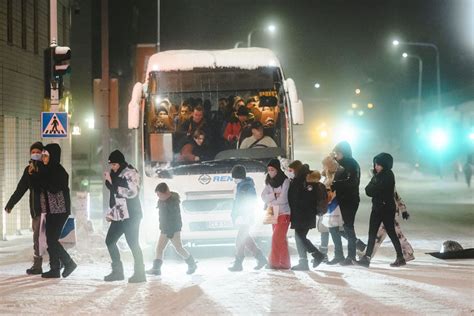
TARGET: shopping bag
(333,217)
(271,215)
(68,233)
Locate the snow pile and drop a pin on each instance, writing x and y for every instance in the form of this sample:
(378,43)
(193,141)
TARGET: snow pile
(182,60)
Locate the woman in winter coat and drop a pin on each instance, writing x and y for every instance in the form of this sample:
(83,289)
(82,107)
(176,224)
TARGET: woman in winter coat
(55,200)
(302,201)
(401,210)
(170,227)
(243,211)
(124,215)
(381,189)
(196,149)
(275,195)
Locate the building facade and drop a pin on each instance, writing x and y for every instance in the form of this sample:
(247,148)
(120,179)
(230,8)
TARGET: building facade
(24,34)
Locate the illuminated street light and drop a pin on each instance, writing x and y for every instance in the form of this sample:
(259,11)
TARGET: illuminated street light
(471,136)
(354,105)
(90,123)
(433,46)
(370,106)
(439,139)
(317,85)
(357,91)
(323,134)
(404,55)
(76,130)
(270,28)
(360,113)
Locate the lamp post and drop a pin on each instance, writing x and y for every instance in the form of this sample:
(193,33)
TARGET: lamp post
(271,28)
(433,46)
(238,43)
(420,77)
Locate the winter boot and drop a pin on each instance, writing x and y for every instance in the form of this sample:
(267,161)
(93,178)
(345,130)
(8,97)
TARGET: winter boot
(261,260)
(335,260)
(237,264)
(68,268)
(138,274)
(318,258)
(360,245)
(156,269)
(301,266)
(116,274)
(399,262)
(191,265)
(364,261)
(347,262)
(36,268)
(52,274)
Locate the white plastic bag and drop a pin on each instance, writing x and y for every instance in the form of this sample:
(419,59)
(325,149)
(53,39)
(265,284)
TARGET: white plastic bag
(333,217)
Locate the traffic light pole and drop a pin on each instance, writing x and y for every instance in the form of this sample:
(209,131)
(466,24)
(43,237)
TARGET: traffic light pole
(53,26)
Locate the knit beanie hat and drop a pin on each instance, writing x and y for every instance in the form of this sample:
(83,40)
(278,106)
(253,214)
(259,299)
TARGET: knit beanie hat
(238,172)
(37,145)
(116,157)
(275,163)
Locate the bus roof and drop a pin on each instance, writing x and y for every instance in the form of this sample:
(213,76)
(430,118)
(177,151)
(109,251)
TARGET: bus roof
(244,58)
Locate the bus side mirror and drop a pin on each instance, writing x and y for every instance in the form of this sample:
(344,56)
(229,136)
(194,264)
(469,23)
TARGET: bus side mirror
(134,106)
(296,105)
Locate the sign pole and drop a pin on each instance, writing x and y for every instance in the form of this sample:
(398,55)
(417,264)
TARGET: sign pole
(53,26)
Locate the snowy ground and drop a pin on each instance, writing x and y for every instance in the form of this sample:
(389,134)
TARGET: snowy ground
(440,210)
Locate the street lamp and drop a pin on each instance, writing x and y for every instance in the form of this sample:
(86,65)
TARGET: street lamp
(420,76)
(357,91)
(270,28)
(430,45)
(317,85)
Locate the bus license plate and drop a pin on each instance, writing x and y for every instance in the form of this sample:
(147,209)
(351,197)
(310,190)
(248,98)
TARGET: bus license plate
(219,224)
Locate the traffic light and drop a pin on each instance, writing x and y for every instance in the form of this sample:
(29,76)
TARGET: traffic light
(61,58)
(56,65)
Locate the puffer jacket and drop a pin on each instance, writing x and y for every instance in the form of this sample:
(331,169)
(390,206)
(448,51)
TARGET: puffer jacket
(244,202)
(170,215)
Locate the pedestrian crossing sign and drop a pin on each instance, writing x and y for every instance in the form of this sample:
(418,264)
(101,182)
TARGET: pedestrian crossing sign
(54,124)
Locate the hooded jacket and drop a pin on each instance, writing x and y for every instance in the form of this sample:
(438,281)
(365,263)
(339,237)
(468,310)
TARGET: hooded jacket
(381,187)
(170,215)
(53,178)
(126,184)
(347,179)
(245,201)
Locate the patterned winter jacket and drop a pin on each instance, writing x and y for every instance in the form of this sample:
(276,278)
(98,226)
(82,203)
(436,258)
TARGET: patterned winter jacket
(127,186)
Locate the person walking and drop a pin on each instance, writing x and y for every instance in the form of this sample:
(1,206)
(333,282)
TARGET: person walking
(303,214)
(346,185)
(125,214)
(24,185)
(401,211)
(55,200)
(170,227)
(275,196)
(381,189)
(243,213)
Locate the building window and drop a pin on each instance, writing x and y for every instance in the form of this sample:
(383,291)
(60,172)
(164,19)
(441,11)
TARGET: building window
(35,27)
(23,24)
(10,22)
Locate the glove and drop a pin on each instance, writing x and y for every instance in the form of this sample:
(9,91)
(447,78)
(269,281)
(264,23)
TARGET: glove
(405,215)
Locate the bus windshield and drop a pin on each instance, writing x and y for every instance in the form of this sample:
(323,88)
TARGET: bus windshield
(205,115)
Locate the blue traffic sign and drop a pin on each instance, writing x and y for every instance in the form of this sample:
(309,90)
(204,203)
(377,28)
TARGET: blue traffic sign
(54,124)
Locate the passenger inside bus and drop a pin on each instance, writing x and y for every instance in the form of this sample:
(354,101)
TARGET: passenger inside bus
(195,149)
(236,126)
(258,138)
(183,115)
(162,122)
(252,105)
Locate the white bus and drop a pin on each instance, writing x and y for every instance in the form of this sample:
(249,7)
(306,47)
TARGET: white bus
(206,187)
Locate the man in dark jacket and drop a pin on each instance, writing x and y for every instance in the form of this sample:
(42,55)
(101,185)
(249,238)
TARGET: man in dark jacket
(170,227)
(346,185)
(381,189)
(24,185)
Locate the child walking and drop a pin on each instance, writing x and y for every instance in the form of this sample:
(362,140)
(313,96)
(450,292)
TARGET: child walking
(170,227)
(243,212)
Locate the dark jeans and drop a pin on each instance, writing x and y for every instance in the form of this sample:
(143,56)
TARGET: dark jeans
(348,211)
(130,227)
(303,244)
(387,217)
(57,253)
